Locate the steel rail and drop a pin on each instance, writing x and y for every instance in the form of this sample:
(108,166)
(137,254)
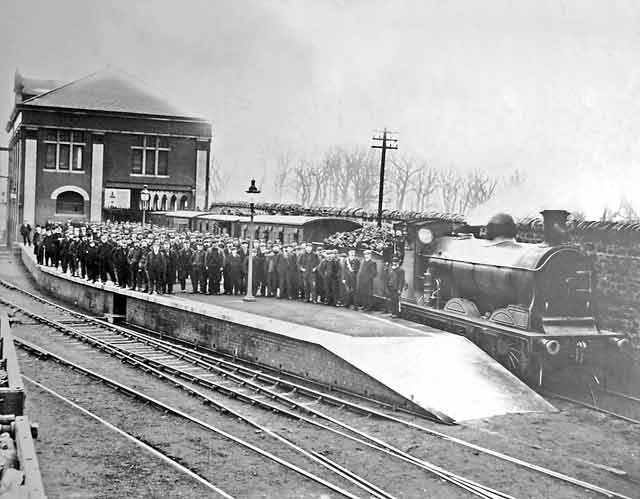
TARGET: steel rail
(592,407)
(478,489)
(621,395)
(263,370)
(40,352)
(174,342)
(153,451)
(337,401)
(499,455)
(224,409)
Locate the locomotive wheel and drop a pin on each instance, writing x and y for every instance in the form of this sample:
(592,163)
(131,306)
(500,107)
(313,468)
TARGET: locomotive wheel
(514,356)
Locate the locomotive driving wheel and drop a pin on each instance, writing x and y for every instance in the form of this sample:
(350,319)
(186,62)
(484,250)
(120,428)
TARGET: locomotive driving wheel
(515,356)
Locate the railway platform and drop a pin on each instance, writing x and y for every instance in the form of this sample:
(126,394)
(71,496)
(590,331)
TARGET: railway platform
(405,364)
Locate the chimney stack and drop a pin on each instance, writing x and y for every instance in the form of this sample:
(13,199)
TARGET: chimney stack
(555,226)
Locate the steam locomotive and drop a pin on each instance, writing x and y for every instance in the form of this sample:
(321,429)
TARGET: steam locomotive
(530,306)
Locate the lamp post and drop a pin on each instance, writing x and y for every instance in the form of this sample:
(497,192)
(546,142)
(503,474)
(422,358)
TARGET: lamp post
(249,296)
(144,197)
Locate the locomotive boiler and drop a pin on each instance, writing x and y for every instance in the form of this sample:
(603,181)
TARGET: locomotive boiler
(531,306)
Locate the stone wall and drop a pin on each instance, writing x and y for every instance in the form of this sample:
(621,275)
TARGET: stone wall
(615,252)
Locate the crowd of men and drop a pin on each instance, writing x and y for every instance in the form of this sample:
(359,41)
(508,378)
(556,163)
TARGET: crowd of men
(154,260)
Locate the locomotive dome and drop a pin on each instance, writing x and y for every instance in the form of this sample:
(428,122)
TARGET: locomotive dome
(501,225)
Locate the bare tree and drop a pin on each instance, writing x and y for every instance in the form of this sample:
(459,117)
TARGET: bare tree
(363,176)
(477,187)
(284,170)
(449,186)
(302,182)
(424,186)
(403,170)
(516,179)
(218,179)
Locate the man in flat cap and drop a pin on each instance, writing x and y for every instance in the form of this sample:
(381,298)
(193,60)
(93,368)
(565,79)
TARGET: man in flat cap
(394,287)
(366,274)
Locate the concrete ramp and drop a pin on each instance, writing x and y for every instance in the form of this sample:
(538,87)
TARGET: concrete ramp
(443,373)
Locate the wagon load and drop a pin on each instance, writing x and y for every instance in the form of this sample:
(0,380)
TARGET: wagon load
(368,237)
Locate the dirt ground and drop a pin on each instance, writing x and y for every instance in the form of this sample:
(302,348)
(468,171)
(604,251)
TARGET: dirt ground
(81,459)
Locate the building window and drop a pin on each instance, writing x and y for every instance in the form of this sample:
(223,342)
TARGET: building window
(150,155)
(69,203)
(63,150)
(184,203)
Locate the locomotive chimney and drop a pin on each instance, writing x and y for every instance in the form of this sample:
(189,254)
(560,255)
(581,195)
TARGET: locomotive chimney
(555,226)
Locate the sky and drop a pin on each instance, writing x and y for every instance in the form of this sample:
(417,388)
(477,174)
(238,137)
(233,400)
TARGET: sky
(549,87)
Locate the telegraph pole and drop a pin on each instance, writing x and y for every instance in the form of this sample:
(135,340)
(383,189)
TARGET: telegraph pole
(387,143)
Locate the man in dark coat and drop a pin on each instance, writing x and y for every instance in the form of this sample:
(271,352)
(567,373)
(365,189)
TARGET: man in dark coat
(38,246)
(133,258)
(156,268)
(143,275)
(184,264)
(72,259)
(282,264)
(50,249)
(121,264)
(233,266)
(350,270)
(25,232)
(171,257)
(366,274)
(81,254)
(214,264)
(332,278)
(197,270)
(394,287)
(64,253)
(105,255)
(259,272)
(271,274)
(92,261)
(292,274)
(308,264)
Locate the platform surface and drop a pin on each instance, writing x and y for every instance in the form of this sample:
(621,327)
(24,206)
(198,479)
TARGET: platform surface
(335,319)
(443,373)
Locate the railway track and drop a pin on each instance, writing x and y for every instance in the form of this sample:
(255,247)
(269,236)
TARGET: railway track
(164,408)
(143,445)
(613,403)
(192,370)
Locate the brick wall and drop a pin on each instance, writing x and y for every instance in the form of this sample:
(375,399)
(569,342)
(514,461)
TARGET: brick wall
(615,253)
(117,161)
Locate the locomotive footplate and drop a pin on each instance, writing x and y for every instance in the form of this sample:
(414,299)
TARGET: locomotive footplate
(524,352)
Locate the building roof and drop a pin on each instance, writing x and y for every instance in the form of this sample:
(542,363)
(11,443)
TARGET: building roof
(25,88)
(179,213)
(109,90)
(219,217)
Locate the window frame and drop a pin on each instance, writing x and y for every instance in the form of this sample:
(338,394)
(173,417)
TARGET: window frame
(156,148)
(71,144)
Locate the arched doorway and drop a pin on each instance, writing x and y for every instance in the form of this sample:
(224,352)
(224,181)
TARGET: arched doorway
(173,205)
(163,205)
(69,203)
(154,206)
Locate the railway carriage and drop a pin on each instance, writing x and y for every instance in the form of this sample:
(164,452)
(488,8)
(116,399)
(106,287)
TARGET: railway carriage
(531,306)
(286,229)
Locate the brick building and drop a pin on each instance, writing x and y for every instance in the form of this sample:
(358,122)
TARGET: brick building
(83,151)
